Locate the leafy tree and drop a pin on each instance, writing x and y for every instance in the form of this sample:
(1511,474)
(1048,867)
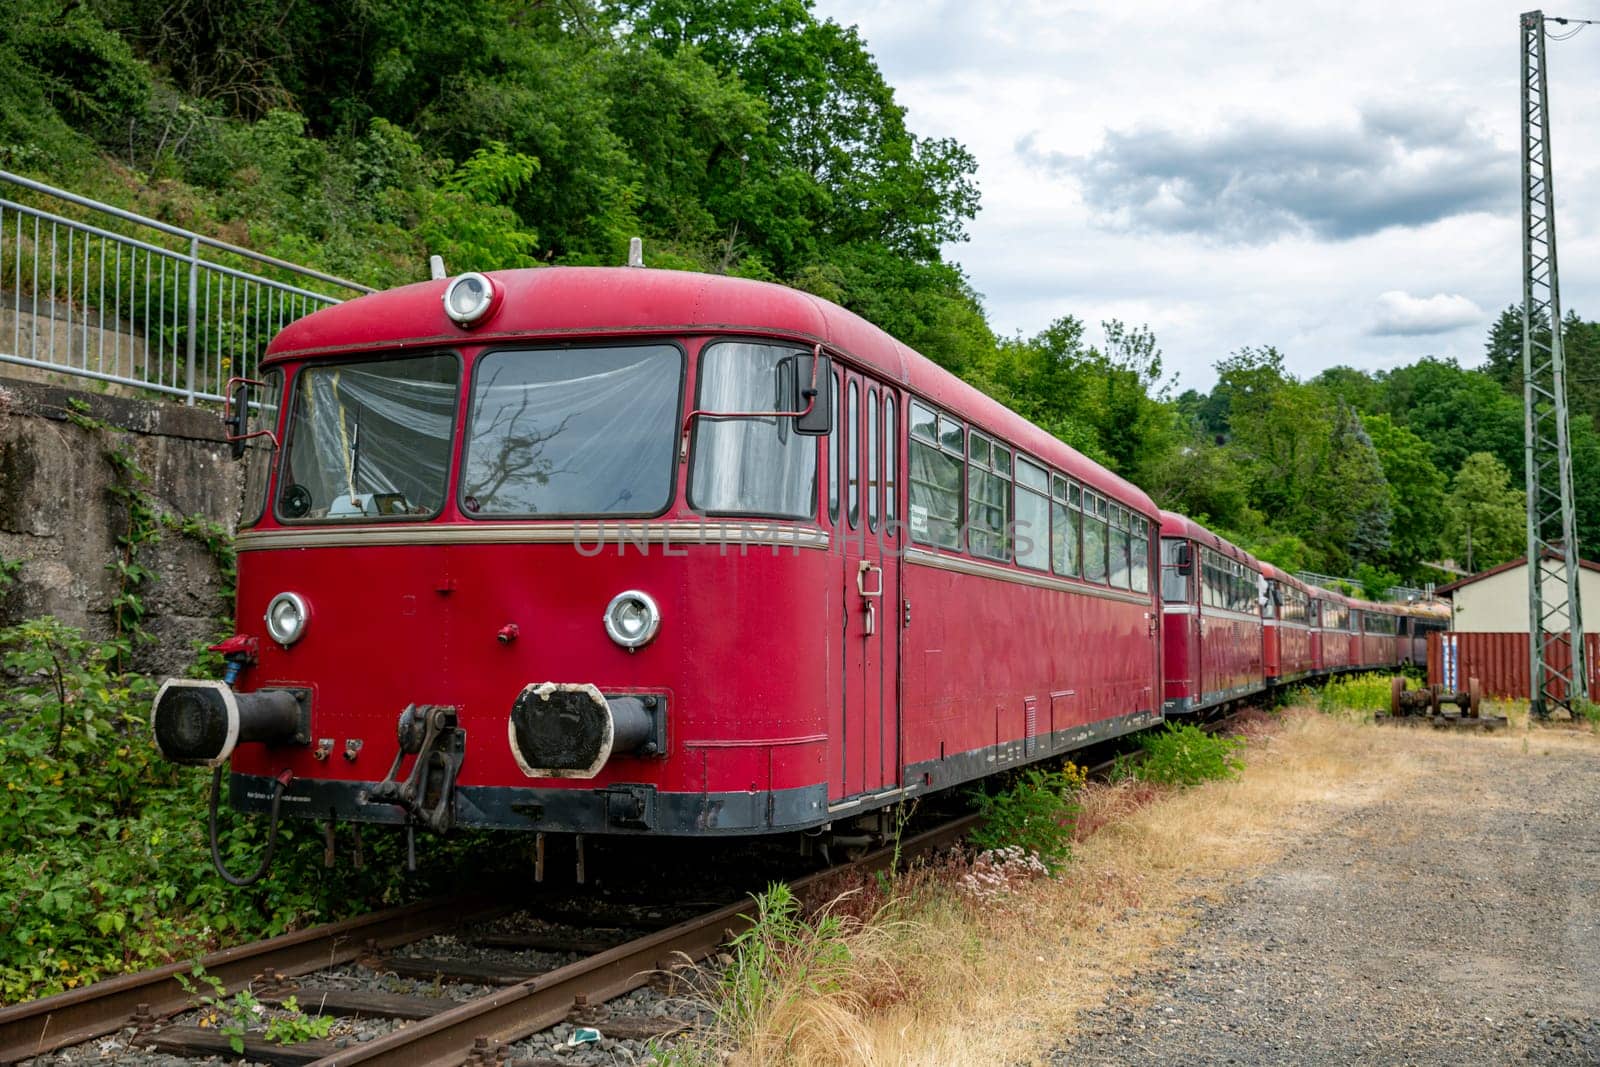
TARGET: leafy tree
(833,123)
(1486,520)
(1416,494)
(1375,581)
(1456,411)
(1356,388)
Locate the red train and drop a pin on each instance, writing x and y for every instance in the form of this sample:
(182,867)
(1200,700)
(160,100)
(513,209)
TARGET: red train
(593,550)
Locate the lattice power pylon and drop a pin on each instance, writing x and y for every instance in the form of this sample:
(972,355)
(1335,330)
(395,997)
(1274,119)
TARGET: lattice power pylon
(1555,614)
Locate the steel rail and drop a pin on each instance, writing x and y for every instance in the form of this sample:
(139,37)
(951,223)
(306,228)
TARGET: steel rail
(514,1013)
(78,1015)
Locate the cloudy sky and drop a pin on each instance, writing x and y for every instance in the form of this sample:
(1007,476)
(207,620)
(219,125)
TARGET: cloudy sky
(1341,180)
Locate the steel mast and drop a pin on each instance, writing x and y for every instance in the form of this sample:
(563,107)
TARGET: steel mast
(1555,615)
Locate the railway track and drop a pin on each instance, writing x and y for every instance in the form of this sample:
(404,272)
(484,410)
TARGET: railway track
(428,1030)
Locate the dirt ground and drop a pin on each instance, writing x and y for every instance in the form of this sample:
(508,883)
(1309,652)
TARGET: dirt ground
(1449,917)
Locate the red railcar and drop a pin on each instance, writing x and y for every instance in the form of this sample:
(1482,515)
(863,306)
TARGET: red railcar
(1380,640)
(636,551)
(1286,621)
(1211,618)
(1421,619)
(1336,643)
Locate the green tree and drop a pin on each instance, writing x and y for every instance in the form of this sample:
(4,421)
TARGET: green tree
(1416,494)
(1456,411)
(1356,388)
(1486,518)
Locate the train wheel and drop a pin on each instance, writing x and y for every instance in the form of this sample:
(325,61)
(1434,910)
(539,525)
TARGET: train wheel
(1474,697)
(1397,688)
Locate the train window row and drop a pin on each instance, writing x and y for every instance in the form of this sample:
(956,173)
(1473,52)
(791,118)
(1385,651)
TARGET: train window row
(1376,622)
(1227,583)
(1335,616)
(1293,604)
(1017,509)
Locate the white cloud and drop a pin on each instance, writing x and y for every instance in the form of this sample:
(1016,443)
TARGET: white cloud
(1256,179)
(1402,315)
(1279,166)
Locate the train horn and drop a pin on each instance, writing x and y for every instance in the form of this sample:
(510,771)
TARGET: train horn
(201,722)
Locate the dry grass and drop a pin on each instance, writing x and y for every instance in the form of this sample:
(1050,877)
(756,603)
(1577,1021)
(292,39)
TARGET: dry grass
(997,980)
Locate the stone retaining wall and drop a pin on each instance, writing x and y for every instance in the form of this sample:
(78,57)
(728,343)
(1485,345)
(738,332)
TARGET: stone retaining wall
(58,516)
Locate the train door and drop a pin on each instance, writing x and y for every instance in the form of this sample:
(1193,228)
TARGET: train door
(1180,645)
(867,748)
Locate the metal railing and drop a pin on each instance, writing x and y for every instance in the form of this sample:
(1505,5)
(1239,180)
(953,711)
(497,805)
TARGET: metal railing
(1399,593)
(91,290)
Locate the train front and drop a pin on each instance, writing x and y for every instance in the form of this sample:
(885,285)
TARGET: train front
(530,570)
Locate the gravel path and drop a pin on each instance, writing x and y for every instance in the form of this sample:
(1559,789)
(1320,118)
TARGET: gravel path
(1454,921)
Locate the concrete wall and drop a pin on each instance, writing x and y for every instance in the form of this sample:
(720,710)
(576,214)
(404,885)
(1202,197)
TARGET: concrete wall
(1499,603)
(58,516)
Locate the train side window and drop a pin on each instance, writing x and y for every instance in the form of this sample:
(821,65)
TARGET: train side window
(934,478)
(1174,583)
(1033,515)
(950,434)
(988,498)
(1120,547)
(852,453)
(1064,523)
(873,486)
(833,455)
(891,453)
(1094,538)
(1139,570)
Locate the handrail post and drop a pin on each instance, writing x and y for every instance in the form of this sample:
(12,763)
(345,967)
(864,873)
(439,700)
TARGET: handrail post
(194,317)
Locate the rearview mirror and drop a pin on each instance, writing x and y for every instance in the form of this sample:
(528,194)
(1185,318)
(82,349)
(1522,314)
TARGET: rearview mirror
(236,415)
(1185,558)
(813,386)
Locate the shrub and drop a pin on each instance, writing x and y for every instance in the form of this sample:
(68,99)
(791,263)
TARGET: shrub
(1357,695)
(1034,813)
(1184,754)
(106,866)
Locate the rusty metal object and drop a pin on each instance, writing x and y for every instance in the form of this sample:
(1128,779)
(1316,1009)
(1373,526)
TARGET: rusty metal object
(1429,705)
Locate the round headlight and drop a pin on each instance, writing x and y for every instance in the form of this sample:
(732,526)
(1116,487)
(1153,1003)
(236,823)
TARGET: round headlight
(286,618)
(467,298)
(632,619)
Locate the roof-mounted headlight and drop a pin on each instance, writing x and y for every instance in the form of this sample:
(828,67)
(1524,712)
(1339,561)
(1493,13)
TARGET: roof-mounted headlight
(467,299)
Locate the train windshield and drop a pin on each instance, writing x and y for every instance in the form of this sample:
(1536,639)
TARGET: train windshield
(370,440)
(751,466)
(572,432)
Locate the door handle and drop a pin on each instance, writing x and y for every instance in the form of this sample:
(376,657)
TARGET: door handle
(861,579)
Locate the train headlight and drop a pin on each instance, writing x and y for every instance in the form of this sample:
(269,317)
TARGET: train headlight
(632,619)
(286,618)
(467,299)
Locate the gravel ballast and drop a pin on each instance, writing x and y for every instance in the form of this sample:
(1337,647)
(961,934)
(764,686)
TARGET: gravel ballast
(1457,920)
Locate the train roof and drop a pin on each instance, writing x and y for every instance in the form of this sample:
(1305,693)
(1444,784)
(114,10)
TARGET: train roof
(1174,524)
(552,303)
(1278,574)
